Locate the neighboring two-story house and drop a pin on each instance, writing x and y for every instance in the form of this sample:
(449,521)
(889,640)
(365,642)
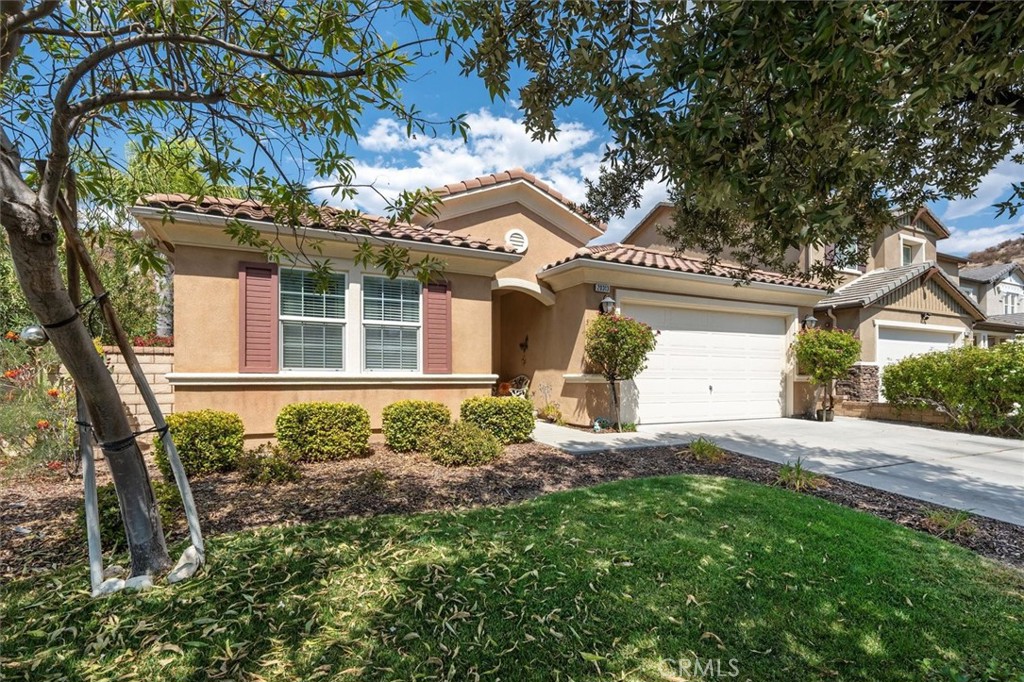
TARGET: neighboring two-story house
(999,290)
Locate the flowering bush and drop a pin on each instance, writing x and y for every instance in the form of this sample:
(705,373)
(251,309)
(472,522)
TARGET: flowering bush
(982,390)
(37,409)
(153,341)
(617,348)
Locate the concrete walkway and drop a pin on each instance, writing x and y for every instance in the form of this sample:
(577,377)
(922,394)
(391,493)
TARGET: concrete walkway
(977,473)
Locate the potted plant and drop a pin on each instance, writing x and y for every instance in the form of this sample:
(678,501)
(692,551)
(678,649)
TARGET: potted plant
(617,348)
(826,355)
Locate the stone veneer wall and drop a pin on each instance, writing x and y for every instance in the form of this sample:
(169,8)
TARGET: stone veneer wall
(157,363)
(862,384)
(887,412)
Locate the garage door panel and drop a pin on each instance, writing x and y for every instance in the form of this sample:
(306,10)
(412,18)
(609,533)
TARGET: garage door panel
(711,365)
(896,343)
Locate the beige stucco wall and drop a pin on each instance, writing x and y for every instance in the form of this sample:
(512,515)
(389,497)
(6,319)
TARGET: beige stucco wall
(206,313)
(206,325)
(555,346)
(547,242)
(906,307)
(258,406)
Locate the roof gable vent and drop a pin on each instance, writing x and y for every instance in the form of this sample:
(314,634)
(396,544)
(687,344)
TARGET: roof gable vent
(517,241)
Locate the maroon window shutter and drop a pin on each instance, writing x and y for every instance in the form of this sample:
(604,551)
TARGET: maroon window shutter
(257,294)
(437,329)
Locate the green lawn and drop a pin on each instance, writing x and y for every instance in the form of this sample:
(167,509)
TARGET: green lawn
(612,582)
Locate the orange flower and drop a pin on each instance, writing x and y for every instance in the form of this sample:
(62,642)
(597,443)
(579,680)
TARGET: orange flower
(53,393)
(11,336)
(11,374)
(42,424)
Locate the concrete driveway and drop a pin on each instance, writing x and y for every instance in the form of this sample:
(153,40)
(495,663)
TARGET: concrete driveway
(978,473)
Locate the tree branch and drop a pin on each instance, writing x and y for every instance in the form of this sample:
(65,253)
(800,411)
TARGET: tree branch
(79,109)
(17,20)
(60,123)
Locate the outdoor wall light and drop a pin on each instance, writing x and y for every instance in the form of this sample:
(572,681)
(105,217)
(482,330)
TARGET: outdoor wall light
(607,305)
(809,322)
(34,335)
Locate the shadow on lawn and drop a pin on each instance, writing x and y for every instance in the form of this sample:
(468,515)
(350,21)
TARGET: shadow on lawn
(617,580)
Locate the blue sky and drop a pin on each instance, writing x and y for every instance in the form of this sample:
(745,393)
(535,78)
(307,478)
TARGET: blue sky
(497,141)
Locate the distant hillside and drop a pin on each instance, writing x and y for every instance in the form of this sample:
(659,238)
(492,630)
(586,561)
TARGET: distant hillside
(1012,249)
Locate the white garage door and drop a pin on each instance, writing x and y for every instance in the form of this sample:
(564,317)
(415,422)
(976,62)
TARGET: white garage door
(711,365)
(895,343)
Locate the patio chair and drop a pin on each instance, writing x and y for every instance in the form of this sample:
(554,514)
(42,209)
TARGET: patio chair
(520,386)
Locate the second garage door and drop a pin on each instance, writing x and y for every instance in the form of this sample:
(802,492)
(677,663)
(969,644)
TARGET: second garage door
(711,365)
(895,343)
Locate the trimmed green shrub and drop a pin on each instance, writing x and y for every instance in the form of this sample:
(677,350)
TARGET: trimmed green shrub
(826,356)
(112,527)
(208,441)
(408,424)
(322,432)
(267,464)
(463,444)
(509,419)
(982,390)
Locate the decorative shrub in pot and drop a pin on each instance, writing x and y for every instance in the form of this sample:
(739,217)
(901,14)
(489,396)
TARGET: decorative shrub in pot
(826,355)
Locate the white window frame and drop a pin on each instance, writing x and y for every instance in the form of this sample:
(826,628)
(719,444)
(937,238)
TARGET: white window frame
(917,249)
(343,322)
(364,323)
(1011,303)
(852,269)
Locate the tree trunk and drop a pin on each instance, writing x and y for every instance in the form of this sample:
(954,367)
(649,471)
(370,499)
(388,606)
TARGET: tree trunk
(34,239)
(615,405)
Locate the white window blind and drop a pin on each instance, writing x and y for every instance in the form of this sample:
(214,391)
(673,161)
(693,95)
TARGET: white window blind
(391,324)
(312,321)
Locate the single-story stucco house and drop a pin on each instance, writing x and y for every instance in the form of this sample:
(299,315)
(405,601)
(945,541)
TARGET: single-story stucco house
(519,287)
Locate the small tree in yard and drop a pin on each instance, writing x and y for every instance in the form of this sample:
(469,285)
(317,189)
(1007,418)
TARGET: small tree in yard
(826,355)
(617,347)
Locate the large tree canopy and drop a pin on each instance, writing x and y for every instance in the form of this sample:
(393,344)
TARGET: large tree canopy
(774,125)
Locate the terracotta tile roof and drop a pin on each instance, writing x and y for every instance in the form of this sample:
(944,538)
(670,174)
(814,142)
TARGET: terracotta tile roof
(626,254)
(508,176)
(321,218)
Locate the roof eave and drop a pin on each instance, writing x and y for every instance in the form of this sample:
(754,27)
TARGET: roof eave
(150,213)
(580,262)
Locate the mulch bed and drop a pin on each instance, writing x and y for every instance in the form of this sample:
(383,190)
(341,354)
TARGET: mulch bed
(390,483)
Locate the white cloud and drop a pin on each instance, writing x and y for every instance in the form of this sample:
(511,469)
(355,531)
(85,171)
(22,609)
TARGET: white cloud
(991,189)
(495,143)
(963,241)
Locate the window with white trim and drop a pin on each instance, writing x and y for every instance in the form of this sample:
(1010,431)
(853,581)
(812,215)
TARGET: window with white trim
(1011,303)
(391,324)
(911,251)
(312,321)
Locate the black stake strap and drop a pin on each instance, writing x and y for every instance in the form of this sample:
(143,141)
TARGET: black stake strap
(78,309)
